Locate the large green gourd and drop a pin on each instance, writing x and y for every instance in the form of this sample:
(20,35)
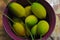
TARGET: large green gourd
(43,27)
(38,10)
(19,29)
(31,20)
(17,9)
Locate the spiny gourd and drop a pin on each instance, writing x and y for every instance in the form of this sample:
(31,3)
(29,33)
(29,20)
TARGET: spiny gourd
(38,10)
(17,9)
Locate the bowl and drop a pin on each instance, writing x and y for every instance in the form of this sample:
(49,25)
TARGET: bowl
(50,18)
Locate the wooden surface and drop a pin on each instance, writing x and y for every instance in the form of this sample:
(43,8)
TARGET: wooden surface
(3,34)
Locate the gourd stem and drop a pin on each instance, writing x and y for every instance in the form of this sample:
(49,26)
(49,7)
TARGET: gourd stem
(29,32)
(29,1)
(36,0)
(8,17)
(40,37)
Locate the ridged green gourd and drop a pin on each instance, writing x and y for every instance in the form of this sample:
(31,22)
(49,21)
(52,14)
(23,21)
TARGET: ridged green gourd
(31,20)
(28,10)
(34,30)
(17,9)
(19,29)
(43,27)
(39,10)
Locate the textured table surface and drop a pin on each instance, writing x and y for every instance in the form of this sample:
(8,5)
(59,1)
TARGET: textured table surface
(54,36)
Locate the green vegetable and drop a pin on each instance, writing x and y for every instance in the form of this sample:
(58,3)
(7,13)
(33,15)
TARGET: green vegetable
(28,10)
(31,20)
(34,30)
(19,29)
(38,10)
(43,27)
(17,9)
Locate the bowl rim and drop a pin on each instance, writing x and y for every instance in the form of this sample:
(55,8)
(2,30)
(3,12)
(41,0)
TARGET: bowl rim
(13,36)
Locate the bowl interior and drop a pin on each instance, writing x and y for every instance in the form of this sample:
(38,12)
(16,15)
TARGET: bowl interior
(50,18)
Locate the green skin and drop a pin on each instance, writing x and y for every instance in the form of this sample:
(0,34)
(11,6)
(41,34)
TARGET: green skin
(43,27)
(38,10)
(17,9)
(34,30)
(31,20)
